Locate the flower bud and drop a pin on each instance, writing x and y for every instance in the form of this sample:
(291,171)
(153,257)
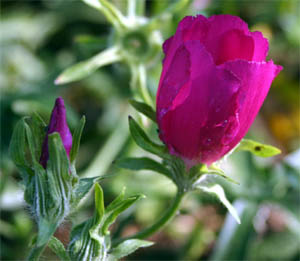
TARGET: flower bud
(58,123)
(214,80)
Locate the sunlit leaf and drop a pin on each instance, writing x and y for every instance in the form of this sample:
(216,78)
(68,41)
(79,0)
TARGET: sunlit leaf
(258,149)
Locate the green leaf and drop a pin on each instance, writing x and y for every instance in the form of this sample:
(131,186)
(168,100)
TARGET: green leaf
(144,109)
(219,192)
(83,69)
(129,246)
(143,141)
(76,139)
(143,163)
(99,201)
(258,149)
(58,248)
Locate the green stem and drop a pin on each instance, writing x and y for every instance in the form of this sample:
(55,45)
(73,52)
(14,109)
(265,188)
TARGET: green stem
(168,215)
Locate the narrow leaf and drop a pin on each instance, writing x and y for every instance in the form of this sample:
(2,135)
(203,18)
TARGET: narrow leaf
(99,201)
(219,192)
(116,201)
(144,109)
(129,246)
(58,248)
(117,210)
(83,69)
(258,149)
(143,163)
(143,141)
(76,139)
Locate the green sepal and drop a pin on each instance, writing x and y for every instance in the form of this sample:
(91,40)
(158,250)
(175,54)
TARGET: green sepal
(142,140)
(143,164)
(144,109)
(127,247)
(258,149)
(215,170)
(58,248)
(38,129)
(76,139)
(18,147)
(58,160)
(45,232)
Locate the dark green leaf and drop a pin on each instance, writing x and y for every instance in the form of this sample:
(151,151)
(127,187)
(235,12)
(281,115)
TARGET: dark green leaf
(129,246)
(144,109)
(58,248)
(258,149)
(143,163)
(76,139)
(143,141)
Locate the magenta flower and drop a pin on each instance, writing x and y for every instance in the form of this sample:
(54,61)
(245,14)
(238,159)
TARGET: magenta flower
(58,123)
(214,80)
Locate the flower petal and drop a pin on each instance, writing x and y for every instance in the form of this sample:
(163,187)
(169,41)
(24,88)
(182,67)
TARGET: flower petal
(58,123)
(226,37)
(256,79)
(186,126)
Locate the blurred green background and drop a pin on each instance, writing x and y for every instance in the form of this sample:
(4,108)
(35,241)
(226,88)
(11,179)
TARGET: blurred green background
(41,38)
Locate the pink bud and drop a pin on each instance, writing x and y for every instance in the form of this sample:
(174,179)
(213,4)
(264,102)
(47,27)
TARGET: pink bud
(214,80)
(58,123)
